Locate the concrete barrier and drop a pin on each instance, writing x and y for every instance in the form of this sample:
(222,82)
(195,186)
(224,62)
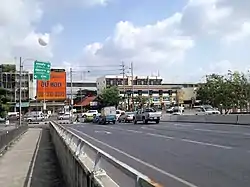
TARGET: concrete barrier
(243,119)
(85,165)
(9,136)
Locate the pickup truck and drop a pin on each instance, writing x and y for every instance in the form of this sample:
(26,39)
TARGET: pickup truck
(146,115)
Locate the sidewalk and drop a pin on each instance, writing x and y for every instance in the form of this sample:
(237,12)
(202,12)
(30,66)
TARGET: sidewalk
(16,165)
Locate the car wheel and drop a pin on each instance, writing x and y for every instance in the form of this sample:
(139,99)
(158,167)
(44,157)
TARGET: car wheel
(29,120)
(157,121)
(145,121)
(135,122)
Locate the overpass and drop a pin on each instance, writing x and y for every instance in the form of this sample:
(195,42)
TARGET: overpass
(178,152)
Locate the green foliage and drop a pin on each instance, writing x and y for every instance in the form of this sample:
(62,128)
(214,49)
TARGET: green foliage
(141,100)
(4,99)
(226,91)
(110,96)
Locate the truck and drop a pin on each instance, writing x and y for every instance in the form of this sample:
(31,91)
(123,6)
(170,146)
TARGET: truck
(108,115)
(147,114)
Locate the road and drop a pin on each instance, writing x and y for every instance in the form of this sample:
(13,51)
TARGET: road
(177,154)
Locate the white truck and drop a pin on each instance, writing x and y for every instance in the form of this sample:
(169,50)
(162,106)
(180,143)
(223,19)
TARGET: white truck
(146,115)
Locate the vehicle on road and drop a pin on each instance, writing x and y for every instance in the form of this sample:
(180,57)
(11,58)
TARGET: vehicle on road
(177,111)
(108,115)
(118,113)
(63,116)
(146,115)
(126,117)
(34,117)
(97,117)
(171,109)
(89,113)
(206,110)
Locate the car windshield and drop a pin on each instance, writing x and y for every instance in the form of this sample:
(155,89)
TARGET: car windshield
(209,108)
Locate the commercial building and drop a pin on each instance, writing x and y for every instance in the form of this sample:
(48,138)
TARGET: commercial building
(151,87)
(76,86)
(9,79)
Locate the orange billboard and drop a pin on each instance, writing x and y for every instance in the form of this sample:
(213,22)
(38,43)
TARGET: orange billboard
(54,89)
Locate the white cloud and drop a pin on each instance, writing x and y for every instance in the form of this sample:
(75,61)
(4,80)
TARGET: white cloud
(238,35)
(151,47)
(18,35)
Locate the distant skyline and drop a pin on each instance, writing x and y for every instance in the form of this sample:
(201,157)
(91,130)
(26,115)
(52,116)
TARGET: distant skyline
(183,40)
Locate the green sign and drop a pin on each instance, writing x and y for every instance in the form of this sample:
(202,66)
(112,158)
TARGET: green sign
(42,70)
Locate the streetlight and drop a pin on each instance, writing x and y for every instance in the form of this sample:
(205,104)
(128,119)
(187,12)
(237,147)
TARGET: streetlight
(21,62)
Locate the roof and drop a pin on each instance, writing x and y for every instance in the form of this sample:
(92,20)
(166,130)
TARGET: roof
(86,101)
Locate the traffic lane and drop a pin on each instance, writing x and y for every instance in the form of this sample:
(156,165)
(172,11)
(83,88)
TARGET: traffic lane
(199,164)
(155,174)
(213,126)
(223,138)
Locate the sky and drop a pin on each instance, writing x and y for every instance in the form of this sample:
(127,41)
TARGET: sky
(180,40)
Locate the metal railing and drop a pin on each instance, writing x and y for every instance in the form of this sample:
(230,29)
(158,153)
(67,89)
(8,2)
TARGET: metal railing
(8,136)
(85,165)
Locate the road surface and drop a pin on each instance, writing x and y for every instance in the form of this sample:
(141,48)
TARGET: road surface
(177,154)
(6,128)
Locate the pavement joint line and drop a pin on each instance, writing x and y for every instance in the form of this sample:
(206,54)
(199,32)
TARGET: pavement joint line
(139,160)
(161,136)
(204,143)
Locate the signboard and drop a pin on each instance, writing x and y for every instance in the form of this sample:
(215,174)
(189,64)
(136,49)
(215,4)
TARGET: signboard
(54,89)
(42,70)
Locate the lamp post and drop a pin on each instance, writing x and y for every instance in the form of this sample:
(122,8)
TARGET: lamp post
(43,43)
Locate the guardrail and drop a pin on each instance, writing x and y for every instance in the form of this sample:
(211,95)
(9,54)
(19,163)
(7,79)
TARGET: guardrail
(9,136)
(243,119)
(85,165)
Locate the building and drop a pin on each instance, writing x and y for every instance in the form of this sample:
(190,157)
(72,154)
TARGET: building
(76,86)
(9,79)
(159,93)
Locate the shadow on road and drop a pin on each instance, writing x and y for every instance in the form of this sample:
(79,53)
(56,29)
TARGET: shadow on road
(46,171)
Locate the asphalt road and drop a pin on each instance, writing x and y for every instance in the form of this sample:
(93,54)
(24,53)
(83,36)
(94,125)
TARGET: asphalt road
(178,154)
(6,128)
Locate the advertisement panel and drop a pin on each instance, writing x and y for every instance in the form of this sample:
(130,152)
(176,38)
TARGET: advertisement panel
(54,89)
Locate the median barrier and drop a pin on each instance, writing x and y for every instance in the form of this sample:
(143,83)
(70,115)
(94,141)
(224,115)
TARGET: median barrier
(193,118)
(242,119)
(9,136)
(85,165)
(222,119)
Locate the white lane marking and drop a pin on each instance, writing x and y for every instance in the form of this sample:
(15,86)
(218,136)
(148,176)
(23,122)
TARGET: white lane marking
(139,160)
(120,129)
(188,140)
(160,136)
(104,132)
(182,125)
(207,144)
(222,132)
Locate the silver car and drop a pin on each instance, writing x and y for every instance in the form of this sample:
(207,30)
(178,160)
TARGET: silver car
(34,118)
(63,117)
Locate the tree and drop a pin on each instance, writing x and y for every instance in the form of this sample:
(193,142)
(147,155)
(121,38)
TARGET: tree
(110,96)
(4,99)
(141,100)
(225,91)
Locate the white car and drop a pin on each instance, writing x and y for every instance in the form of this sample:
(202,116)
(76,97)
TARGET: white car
(90,113)
(63,116)
(206,110)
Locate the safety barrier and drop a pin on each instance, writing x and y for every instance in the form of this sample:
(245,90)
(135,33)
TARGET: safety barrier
(243,119)
(8,136)
(85,165)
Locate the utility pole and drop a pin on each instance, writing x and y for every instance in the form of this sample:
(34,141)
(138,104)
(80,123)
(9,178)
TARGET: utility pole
(20,92)
(71,95)
(148,90)
(123,81)
(132,76)
(81,99)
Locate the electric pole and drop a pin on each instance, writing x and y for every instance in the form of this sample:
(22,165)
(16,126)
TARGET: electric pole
(132,83)
(123,81)
(20,92)
(71,95)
